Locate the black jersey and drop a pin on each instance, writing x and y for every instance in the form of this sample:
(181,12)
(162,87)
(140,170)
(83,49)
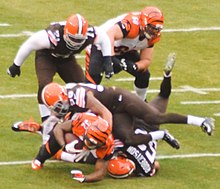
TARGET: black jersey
(58,47)
(110,97)
(142,155)
(115,99)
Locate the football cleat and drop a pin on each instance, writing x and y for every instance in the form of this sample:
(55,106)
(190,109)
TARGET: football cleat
(171,140)
(29,126)
(171,59)
(36,164)
(208,126)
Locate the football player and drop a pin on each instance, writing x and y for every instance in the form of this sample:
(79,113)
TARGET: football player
(82,97)
(77,97)
(95,133)
(133,36)
(55,48)
(121,123)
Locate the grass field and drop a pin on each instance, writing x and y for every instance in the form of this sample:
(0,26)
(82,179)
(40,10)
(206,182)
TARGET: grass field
(195,79)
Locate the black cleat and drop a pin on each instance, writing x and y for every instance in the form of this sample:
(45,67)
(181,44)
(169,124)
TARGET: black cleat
(171,140)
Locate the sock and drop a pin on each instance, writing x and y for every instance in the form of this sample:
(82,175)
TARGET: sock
(141,92)
(47,126)
(165,87)
(44,111)
(156,135)
(194,120)
(167,74)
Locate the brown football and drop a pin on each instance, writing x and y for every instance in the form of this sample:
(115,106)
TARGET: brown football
(69,137)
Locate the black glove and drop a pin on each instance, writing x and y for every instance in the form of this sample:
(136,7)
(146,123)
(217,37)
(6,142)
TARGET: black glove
(128,66)
(108,67)
(14,70)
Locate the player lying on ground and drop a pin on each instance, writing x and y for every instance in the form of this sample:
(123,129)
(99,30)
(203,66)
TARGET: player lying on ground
(96,135)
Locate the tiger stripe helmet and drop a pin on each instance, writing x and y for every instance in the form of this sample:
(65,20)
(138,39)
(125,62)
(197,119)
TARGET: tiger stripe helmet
(97,134)
(152,21)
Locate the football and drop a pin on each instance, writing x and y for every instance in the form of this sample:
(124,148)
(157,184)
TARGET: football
(69,137)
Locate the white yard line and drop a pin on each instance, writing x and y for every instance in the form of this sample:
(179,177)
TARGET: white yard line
(201,102)
(189,156)
(195,90)
(18,96)
(4,25)
(29,33)
(183,90)
(158,157)
(191,29)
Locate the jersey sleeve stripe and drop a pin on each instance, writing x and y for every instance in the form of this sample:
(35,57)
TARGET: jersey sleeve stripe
(80,97)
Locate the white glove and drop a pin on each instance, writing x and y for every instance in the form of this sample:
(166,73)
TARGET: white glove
(47,126)
(71,147)
(78,175)
(82,155)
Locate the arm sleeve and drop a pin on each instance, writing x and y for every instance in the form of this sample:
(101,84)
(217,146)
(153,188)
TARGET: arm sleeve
(37,41)
(103,40)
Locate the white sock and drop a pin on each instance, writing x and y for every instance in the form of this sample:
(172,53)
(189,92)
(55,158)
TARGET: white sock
(141,92)
(44,110)
(47,126)
(194,120)
(165,75)
(156,135)
(67,157)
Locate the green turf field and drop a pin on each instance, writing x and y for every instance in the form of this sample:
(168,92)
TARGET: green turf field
(195,79)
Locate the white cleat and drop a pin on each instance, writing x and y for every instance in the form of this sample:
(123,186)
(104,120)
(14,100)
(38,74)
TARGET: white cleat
(171,59)
(208,126)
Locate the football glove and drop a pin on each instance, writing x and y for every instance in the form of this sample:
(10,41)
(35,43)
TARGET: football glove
(71,147)
(14,70)
(108,67)
(78,175)
(82,155)
(128,66)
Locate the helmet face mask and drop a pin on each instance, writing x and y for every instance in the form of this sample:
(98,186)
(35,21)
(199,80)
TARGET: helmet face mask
(151,31)
(54,96)
(75,31)
(60,108)
(92,144)
(152,21)
(97,134)
(74,42)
